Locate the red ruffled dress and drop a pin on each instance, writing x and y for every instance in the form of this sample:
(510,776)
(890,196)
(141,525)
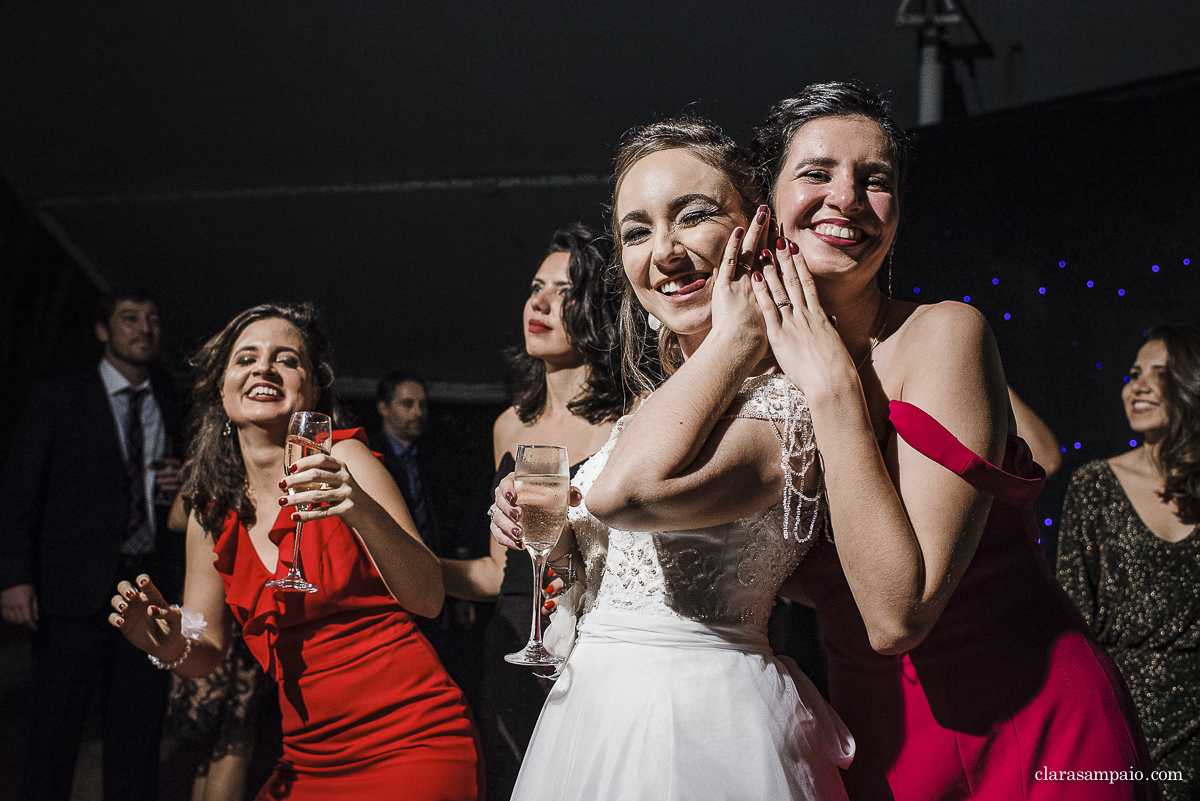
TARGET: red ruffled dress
(1009,697)
(368,711)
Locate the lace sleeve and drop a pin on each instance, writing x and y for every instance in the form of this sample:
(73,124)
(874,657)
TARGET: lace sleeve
(773,398)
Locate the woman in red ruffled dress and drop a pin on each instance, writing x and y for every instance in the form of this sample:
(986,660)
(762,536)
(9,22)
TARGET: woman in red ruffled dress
(368,711)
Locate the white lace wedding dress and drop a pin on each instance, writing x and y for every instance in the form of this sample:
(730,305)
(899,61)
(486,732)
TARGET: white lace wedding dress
(671,690)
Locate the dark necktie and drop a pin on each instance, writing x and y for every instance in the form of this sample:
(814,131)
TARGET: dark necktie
(140,539)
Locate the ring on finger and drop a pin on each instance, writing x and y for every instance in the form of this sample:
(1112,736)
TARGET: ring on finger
(783,303)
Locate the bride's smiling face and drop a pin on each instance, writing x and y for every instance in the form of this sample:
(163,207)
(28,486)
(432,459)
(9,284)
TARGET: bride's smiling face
(675,214)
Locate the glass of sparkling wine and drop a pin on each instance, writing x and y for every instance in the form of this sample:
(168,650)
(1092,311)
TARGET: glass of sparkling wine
(308,433)
(543,484)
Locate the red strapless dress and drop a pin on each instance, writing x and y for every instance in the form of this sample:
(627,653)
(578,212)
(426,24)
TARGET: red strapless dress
(368,711)
(1008,690)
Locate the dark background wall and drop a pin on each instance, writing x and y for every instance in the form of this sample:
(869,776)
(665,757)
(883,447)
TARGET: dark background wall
(403,166)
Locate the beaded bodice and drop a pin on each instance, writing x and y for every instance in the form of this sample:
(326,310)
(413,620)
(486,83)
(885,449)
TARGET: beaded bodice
(726,574)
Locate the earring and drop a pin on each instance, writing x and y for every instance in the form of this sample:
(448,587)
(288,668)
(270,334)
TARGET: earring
(653,322)
(891,253)
(228,430)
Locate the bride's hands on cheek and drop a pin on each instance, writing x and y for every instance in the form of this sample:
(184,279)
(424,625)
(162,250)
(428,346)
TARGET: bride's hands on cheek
(802,337)
(735,314)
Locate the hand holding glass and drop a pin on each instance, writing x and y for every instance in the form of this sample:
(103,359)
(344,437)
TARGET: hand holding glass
(543,485)
(308,433)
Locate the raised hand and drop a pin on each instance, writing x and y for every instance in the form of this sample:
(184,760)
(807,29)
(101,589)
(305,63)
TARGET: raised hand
(802,337)
(145,618)
(323,483)
(734,312)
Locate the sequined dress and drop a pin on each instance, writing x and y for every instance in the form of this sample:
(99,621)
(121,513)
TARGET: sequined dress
(671,690)
(1141,597)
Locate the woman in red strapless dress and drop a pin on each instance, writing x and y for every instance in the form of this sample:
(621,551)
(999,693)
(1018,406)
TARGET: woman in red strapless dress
(959,665)
(368,711)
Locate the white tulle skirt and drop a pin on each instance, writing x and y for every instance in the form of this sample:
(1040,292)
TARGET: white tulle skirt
(660,709)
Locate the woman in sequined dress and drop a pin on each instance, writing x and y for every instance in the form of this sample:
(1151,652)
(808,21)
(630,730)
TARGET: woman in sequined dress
(692,514)
(1129,551)
(567,392)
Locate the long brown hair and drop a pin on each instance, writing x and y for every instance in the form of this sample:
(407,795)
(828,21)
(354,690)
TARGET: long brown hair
(214,475)
(1179,451)
(642,371)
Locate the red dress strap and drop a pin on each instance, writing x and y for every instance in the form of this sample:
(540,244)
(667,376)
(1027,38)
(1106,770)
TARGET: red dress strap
(931,439)
(359,434)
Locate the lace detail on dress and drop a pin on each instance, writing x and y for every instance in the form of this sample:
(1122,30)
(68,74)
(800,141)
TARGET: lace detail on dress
(725,574)
(767,397)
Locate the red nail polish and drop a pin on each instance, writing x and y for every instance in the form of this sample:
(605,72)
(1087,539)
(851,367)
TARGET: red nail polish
(781,244)
(757,276)
(794,248)
(283,484)
(763,209)
(761,218)
(549,571)
(291,469)
(516,532)
(765,255)
(549,588)
(295,516)
(549,606)
(122,607)
(131,594)
(508,496)
(283,500)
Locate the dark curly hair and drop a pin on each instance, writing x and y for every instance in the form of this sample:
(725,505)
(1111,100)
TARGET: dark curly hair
(647,359)
(836,99)
(589,316)
(214,475)
(1179,451)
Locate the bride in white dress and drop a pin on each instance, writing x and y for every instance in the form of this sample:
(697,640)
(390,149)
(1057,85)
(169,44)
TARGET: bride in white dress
(701,503)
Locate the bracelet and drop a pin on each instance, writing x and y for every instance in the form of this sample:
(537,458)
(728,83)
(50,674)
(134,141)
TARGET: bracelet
(161,665)
(565,572)
(191,626)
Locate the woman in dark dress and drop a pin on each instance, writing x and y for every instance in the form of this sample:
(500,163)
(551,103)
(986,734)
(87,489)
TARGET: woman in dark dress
(1129,552)
(568,392)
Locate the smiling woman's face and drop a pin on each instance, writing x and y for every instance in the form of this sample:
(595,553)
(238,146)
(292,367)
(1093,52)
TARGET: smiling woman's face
(268,376)
(675,215)
(836,195)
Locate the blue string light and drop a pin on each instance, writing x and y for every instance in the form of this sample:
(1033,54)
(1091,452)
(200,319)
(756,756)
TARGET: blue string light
(1091,284)
(1121,293)
(995,281)
(1062,449)
(1041,290)
(1133,443)
(1007,316)
(1078,445)
(1126,379)
(1048,522)
(966,298)
(1062,264)
(1154,269)
(916,290)
(1099,366)
(1186,262)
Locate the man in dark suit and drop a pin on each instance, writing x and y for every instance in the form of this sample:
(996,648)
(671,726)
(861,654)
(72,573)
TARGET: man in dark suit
(86,467)
(401,402)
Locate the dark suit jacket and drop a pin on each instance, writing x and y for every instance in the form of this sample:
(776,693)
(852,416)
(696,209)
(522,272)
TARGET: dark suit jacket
(432,533)
(68,505)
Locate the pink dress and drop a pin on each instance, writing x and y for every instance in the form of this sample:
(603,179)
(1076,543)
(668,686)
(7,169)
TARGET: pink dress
(1008,693)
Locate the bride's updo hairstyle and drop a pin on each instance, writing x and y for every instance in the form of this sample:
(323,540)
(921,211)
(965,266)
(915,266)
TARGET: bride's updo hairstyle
(648,359)
(214,475)
(837,99)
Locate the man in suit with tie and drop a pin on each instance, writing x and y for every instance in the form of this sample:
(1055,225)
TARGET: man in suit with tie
(86,467)
(401,402)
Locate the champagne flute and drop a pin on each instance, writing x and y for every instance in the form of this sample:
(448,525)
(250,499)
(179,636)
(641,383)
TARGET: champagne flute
(308,433)
(543,485)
